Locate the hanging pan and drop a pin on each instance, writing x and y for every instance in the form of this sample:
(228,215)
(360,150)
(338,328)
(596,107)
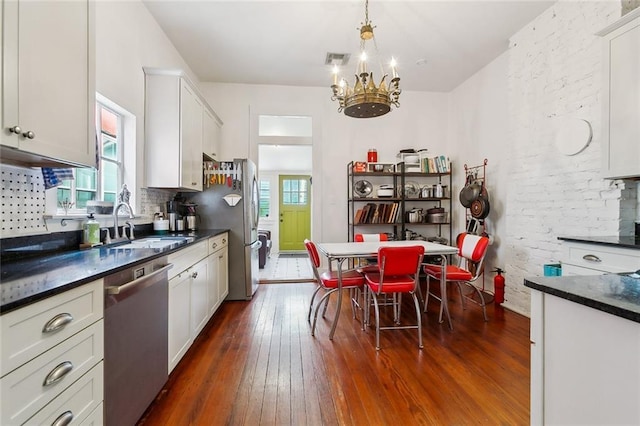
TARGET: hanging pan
(470,192)
(480,206)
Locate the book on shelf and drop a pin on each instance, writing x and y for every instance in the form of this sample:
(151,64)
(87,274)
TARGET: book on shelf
(380,213)
(437,164)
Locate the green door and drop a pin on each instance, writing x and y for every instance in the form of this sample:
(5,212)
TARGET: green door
(295,211)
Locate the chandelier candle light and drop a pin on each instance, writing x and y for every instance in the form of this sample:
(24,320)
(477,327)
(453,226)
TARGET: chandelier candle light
(365,100)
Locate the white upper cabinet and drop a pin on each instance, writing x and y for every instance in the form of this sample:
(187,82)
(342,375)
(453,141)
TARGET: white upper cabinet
(178,130)
(621,98)
(212,129)
(48,95)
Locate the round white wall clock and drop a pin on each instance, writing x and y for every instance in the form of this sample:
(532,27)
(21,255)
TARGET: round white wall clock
(573,135)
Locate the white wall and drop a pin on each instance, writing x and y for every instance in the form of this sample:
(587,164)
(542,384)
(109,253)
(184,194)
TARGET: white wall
(128,39)
(508,112)
(421,121)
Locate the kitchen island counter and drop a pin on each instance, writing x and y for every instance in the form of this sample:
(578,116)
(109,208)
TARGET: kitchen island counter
(23,282)
(618,295)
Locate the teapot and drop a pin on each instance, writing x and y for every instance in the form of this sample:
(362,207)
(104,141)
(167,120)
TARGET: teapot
(416,215)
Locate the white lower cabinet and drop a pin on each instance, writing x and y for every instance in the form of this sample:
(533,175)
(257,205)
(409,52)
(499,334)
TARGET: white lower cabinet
(198,284)
(179,318)
(580,258)
(52,355)
(584,364)
(77,403)
(199,297)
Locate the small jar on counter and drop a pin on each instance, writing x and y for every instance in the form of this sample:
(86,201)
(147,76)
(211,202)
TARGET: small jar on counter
(372,156)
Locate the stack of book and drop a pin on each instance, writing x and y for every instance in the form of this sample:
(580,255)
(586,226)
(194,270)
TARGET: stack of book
(437,164)
(377,213)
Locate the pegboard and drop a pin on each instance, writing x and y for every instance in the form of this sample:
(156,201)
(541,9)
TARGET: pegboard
(23,201)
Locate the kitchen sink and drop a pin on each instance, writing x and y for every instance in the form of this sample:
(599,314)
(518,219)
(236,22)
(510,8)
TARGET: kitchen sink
(151,243)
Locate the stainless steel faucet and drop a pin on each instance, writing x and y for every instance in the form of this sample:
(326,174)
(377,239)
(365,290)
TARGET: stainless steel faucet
(123,201)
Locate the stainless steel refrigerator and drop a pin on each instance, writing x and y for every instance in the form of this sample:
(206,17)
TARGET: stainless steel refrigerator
(241,220)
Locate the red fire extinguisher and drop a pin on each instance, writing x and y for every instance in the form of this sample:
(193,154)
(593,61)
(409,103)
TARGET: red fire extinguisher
(498,286)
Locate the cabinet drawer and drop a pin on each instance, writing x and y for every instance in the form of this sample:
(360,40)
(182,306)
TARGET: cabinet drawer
(77,402)
(96,418)
(23,334)
(218,242)
(187,257)
(602,258)
(24,391)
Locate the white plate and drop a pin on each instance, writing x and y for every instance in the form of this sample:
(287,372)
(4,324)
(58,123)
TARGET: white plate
(573,135)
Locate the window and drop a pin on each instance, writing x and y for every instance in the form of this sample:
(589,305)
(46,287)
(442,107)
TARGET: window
(265,198)
(102,183)
(294,191)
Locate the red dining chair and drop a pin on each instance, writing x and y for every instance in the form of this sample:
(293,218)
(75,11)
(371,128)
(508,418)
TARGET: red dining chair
(471,252)
(399,270)
(370,265)
(328,281)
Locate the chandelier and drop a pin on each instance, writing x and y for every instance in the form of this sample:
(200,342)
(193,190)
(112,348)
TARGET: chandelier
(365,100)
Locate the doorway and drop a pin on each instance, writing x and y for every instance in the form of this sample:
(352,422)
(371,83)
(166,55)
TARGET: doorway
(285,170)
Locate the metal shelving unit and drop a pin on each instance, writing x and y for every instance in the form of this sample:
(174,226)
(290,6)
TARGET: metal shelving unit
(399,226)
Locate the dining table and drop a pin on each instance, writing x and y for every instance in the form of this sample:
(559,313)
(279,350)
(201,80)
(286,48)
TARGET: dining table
(341,251)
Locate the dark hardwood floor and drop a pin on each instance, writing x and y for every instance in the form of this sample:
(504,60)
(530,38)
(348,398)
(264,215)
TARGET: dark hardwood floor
(256,363)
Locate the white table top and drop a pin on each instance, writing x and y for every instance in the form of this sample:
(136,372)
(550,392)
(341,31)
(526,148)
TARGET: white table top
(370,248)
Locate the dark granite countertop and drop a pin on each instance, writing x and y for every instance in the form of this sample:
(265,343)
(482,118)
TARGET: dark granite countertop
(615,294)
(627,242)
(23,282)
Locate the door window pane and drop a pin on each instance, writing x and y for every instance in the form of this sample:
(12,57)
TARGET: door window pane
(294,191)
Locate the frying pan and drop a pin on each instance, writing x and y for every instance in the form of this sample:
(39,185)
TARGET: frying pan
(480,206)
(470,192)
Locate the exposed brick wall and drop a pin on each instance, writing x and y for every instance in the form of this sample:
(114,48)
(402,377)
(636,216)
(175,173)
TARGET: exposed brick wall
(555,72)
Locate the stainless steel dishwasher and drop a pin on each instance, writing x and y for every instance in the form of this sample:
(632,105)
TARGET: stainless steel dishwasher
(136,340)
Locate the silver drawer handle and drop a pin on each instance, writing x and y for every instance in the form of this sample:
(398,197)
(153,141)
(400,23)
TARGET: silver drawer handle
(63,419)
(57,322)
(591,258)
(58,373)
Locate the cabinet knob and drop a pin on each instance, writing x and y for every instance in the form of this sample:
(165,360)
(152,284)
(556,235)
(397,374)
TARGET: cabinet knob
(194,275)
(224,241)
(214,245)
(15,129)
(194,183)
(29,134)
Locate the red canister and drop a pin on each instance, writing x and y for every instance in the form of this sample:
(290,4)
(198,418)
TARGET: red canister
(372,156)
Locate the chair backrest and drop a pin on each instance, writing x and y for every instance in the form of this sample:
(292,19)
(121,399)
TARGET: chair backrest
(472,248)
(359,238)
(314,257)
(404,260)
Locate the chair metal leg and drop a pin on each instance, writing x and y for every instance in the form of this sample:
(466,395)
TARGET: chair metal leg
(325,298)
(377,311)
(419,316)
(311,304)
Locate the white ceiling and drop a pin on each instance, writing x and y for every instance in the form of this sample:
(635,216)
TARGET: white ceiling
(285,42)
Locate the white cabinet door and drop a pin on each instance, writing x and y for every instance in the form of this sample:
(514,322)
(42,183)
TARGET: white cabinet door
(173,131)
(222,257)
(214,299)
(179,317)
(199,297)
(191,138)
(621,100)
(211,134)
(48,81)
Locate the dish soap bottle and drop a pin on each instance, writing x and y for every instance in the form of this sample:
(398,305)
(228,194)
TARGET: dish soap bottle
(91,234)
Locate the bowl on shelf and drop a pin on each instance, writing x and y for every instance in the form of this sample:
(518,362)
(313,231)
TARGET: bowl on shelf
(385,191)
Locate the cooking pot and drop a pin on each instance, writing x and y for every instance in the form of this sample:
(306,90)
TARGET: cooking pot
(440,217)
(470,192)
